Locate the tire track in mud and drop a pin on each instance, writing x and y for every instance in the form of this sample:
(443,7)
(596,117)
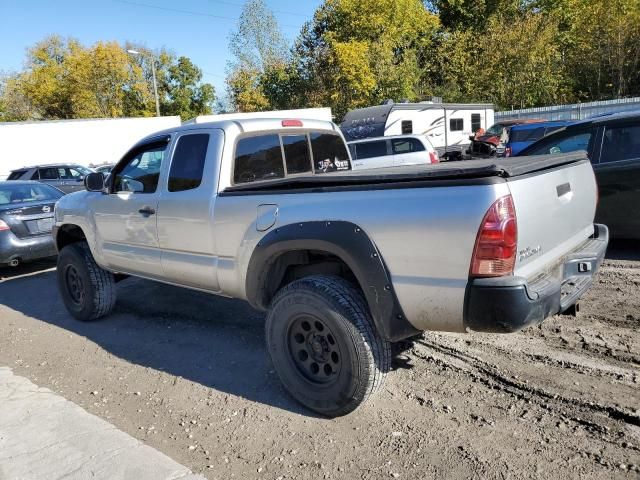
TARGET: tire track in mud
(586,367)
(492,377)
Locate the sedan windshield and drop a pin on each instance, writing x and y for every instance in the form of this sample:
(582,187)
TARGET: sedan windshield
(22,193)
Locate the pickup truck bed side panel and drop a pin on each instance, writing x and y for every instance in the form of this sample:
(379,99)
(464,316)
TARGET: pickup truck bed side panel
(435,232)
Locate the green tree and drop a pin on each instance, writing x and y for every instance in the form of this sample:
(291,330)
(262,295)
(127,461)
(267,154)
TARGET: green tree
(260,56)
(475,14)
(513,64)
(348,59)
(601,42)
(63,79)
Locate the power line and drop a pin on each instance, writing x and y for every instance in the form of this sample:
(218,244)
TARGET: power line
(188,12)
(283,12)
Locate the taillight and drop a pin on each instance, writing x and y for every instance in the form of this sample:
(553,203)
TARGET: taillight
(507,152)
(3,226)
(494,254)
(433,156)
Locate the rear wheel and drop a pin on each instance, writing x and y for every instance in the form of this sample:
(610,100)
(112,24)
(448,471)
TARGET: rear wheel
(324,345)
(87,290)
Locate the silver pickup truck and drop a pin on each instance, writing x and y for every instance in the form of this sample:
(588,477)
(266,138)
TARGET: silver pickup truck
(344,262)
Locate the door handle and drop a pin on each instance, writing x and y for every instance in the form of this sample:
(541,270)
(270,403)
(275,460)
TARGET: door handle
(147,211)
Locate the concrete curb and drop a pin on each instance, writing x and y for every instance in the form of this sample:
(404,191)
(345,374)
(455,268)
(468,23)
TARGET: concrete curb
(44,436)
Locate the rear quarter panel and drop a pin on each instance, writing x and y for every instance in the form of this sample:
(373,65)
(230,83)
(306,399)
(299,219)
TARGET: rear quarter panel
(425,235)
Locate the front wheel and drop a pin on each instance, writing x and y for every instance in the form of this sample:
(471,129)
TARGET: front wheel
(88,291)
(324,345)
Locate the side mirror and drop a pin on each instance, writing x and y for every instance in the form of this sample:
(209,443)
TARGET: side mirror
(94,182)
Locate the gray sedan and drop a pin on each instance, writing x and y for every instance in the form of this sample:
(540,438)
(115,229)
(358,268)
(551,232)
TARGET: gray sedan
(66,177)
(26,219)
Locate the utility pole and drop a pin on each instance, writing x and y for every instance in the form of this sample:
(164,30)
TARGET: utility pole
(153,74)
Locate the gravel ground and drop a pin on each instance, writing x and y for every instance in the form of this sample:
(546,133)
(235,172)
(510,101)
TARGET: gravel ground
(188,374)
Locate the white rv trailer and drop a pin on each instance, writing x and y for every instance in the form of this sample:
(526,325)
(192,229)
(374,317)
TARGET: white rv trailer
(448,126)
(301,113)
(87,142)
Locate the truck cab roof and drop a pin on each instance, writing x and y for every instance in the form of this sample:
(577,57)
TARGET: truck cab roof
(249,125)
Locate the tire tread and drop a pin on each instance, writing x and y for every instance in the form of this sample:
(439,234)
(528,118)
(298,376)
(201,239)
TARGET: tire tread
(353,307)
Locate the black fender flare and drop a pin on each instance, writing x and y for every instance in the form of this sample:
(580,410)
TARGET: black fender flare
(349,243)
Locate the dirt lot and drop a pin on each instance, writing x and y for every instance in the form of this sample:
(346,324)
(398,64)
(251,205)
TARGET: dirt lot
(188,374)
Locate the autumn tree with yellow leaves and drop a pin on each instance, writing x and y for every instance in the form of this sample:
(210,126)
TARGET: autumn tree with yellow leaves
(63,79)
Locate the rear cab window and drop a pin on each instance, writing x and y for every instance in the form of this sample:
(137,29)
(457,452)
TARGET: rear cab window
(269,156)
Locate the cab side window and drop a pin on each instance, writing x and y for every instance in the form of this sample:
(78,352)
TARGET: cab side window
(140,174)
(620,143)
(187,166)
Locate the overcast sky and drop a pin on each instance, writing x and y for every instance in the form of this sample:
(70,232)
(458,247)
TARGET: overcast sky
(198,29)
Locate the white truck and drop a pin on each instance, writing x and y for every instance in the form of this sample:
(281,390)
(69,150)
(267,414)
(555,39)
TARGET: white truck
(344,262)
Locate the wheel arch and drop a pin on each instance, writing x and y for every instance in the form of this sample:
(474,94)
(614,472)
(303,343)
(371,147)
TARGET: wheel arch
(67,234)
(329,247)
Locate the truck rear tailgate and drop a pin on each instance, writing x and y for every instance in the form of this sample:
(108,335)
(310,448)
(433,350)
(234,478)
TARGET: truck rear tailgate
(555,210)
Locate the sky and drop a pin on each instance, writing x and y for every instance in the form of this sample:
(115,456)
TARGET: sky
(198,29)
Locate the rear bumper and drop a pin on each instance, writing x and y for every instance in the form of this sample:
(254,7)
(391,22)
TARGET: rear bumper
(508,304)
(23,249)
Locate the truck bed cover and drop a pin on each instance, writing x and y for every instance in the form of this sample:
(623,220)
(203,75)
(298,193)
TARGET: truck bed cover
(466,169)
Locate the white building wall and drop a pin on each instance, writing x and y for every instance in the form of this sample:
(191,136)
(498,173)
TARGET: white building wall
(86,142)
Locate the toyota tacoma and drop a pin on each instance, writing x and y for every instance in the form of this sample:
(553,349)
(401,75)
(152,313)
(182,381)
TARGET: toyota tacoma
(344,262)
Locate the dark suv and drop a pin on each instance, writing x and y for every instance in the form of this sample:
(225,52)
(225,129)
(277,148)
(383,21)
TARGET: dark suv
(613,144)
(66,177)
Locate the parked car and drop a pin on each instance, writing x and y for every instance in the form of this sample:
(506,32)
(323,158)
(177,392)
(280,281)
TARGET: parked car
(392,151)
(525,134)
(490,142)
(345,262)
(26,219)
(104,169)
(613,145)
(66,177)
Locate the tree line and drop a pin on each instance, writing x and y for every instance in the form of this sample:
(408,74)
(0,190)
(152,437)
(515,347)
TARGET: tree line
(353,53)
(64,79)
(513,53)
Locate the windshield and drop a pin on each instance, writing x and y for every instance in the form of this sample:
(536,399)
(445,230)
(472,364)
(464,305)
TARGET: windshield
(495,129)
(23,193)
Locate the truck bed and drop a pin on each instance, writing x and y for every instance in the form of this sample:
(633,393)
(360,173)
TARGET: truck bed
(447,171)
